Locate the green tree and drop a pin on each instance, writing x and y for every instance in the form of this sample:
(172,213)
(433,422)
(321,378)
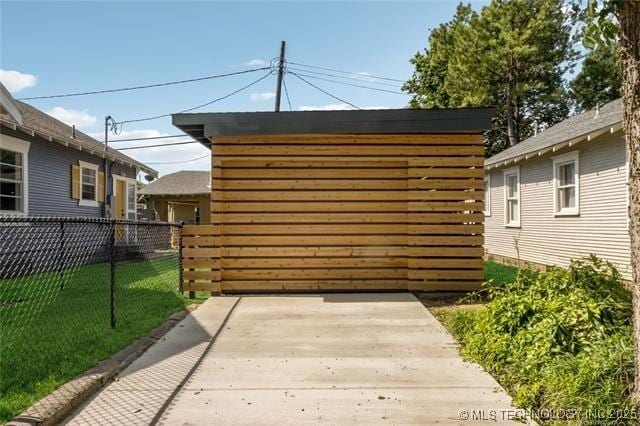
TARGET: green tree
(609,21)
(512,54)
(599,79)
(430,67)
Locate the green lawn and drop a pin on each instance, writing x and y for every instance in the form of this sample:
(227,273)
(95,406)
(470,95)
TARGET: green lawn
(499,273)
(50,332)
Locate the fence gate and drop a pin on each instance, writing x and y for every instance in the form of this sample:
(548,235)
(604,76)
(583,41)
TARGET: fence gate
(341,212)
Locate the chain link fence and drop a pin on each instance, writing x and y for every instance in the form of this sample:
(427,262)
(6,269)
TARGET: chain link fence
(75,290)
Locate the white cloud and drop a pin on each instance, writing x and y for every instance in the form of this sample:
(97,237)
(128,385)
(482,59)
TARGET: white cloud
(15,81)
(329,107)
(256,62)
(72,116)
(130,134)
(367,76)
(160,154)
(336,107)
(264,96)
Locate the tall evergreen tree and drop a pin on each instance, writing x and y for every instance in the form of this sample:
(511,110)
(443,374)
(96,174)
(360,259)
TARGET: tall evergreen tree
(599,80)
(512,54)
(428,79)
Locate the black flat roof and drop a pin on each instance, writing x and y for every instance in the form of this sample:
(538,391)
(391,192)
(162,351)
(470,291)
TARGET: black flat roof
(202,126)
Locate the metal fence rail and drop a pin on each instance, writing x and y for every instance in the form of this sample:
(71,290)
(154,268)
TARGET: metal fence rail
(75,289)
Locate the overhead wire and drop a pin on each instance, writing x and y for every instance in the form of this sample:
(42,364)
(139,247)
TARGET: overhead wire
(346,72)
(365,78)
(324,91)
(180,162)
(286,92)
(156,145)
(228,95)
(355,85)
(149,138)
(146,86)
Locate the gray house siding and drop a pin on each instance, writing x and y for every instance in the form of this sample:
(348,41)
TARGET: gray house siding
(49,191)
(50,180)
(601,227)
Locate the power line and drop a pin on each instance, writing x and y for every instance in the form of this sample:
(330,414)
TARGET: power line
(198,106)
(149,138)
(180,162)
(324,91)
(147,86)
(356,85)
(346,72)
(286,92)
(346,78)
(156,145)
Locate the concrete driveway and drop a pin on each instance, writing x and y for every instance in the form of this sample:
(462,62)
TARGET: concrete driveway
(331,358)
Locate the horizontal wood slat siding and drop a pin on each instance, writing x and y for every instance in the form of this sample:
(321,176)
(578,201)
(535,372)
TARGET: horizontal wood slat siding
(341,212)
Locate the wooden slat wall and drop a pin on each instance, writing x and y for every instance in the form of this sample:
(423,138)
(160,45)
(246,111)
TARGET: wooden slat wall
(341,212)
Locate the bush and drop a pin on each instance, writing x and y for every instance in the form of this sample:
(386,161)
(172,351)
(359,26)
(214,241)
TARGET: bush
(556,340)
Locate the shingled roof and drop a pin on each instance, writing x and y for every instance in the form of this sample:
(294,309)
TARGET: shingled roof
(37,122)
(184,182)
(572,130)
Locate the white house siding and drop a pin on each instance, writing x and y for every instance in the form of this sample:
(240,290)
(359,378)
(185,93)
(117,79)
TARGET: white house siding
(601,228)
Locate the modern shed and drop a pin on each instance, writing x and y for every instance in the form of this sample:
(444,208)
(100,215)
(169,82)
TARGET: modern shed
(340,200)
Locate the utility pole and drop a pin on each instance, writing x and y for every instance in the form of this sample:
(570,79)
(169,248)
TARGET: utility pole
(106,132)
(280,76)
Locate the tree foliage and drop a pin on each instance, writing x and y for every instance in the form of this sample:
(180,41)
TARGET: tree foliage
(429,77)
(599,79)
(511,54)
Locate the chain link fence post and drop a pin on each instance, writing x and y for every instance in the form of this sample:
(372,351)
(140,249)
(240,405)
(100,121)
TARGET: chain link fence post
(61,256)
(112,272)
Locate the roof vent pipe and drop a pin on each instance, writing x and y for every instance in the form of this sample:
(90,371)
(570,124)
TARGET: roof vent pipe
(597,110)
(73,131)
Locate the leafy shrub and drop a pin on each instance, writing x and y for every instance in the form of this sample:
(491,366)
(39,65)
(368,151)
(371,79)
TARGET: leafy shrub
(560,339)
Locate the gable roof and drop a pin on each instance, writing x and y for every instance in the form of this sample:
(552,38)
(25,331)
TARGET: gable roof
(8,105)
(37,122)
(184,182)
(575,129)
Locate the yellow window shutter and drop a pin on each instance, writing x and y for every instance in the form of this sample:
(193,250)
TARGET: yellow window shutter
(101,186)
(75,181)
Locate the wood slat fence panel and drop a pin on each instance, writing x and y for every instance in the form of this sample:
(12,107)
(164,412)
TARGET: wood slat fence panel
(340,212)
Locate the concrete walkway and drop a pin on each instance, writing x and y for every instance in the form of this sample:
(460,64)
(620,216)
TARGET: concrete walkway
(333,358)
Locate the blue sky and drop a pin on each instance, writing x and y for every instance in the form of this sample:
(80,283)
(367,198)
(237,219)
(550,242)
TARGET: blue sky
(62,47)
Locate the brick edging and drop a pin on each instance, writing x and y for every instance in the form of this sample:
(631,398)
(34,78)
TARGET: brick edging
(54,407)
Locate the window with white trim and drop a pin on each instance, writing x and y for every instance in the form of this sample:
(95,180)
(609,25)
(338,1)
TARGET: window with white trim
(487,195)
(512,197)
(13,176)
(566,184)
(88,184)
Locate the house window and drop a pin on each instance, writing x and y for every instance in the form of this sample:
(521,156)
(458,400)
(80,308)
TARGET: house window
(88,184)
(487,195)
(512,197)
(13,176)
(566,184)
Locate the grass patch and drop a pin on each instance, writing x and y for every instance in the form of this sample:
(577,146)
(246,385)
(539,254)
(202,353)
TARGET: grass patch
(498,273)
(50,332)
(556,340)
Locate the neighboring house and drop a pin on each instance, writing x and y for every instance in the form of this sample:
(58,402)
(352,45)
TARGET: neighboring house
(566,194)
(51,169)
(182,196)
